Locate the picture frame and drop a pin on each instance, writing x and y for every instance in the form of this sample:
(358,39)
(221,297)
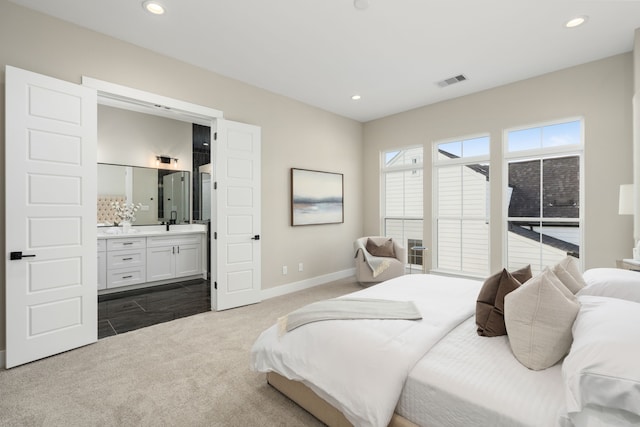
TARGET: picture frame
(317,197)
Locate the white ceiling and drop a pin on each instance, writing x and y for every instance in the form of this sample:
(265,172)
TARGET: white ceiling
(393,53)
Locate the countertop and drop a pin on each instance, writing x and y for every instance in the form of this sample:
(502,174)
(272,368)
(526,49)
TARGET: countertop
(150,230)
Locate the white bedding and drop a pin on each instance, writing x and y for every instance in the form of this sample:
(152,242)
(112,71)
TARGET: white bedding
(360,366)
(474,380)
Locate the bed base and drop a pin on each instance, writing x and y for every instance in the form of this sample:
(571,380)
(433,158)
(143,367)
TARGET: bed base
(318,407)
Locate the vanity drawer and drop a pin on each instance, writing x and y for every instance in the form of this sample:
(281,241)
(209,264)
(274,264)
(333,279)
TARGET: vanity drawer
(102,245)
(125,258)
(173,240)
(125,277)
(126,243)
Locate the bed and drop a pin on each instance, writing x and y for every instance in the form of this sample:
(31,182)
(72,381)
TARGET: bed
(437,371)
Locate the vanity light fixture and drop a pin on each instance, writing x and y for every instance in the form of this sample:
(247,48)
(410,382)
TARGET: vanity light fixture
(166,160)
(575,22)
(356,97)
(153,7)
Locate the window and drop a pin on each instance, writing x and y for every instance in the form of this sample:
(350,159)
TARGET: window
(402,196)
(461,206)
(414,256)
(543,194)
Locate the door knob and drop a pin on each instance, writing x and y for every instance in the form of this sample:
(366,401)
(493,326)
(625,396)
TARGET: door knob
(18,255)
(256,237)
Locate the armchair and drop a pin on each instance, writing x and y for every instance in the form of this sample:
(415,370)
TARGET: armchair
(366,263)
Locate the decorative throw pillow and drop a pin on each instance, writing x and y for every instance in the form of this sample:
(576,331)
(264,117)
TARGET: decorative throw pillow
(568,271)
(539,316)
(602,369)
(384,249)
(490,303)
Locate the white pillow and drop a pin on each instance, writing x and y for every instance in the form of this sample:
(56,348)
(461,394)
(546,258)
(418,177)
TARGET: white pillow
(602,369)
(538,316)
(613,283)
(568,271)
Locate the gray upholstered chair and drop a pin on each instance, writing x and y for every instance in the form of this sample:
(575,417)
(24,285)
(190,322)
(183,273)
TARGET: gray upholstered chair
(364,261)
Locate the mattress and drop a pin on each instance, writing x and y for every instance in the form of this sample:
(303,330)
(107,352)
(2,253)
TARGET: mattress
(474,380)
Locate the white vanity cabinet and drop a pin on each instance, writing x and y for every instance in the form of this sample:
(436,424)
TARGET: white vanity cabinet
(126,261)
(149,257)
(173,256)
(102,264)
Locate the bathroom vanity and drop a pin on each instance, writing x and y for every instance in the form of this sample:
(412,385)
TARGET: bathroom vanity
(150,256)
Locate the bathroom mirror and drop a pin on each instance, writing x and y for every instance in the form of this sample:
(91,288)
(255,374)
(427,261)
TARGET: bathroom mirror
(162,193)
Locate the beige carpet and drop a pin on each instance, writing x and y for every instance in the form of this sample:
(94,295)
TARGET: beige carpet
(189,372)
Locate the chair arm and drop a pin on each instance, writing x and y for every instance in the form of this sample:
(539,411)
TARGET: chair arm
(401,252)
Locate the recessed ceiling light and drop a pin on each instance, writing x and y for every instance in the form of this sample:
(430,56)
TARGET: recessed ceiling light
(153,7)
(361,4)
(575,22)
(356,97)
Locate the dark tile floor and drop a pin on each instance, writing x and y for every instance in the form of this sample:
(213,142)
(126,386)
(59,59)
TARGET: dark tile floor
(129,310)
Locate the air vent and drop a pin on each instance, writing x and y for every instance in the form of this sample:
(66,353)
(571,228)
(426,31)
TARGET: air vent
(452,80)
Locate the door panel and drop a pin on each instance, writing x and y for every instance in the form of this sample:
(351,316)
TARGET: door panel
(188,259)
(50,216)
(237,205)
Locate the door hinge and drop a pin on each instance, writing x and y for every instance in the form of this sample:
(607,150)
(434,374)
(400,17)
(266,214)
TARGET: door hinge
(215,235)
(215,285)
(215,185)
(215,136)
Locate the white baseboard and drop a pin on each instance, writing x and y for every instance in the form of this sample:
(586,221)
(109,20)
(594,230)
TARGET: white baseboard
(3,362)
(306,284)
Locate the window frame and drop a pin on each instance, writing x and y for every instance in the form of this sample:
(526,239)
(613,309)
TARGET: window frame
(383,189)
(543,153)
(461,161)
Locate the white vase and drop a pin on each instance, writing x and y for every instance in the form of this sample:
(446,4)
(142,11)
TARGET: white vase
(126,227)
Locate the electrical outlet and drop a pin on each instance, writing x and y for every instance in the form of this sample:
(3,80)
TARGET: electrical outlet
(300,266)
(284,270)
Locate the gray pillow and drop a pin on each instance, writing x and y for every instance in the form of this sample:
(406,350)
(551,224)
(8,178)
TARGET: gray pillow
(384,249)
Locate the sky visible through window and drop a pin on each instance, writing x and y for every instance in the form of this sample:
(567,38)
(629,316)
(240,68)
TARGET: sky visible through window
(544,137)
(467,148)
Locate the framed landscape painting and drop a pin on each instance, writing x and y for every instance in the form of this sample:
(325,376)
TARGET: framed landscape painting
(316,197)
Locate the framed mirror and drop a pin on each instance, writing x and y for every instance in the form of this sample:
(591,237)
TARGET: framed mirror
(162,193)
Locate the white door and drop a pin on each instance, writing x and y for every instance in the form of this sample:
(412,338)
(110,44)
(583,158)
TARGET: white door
(236,203)
(51,253)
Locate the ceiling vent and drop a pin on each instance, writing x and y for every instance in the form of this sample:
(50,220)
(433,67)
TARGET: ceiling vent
(452,80)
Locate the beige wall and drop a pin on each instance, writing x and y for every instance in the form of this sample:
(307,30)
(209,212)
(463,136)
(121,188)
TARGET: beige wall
(293,134)
(600,92)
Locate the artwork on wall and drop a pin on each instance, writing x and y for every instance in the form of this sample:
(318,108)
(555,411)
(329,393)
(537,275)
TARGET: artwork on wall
(316,197)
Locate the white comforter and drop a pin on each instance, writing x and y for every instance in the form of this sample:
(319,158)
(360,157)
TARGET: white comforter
(360,366)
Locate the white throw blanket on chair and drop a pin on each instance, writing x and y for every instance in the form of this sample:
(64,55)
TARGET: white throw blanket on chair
(376,264)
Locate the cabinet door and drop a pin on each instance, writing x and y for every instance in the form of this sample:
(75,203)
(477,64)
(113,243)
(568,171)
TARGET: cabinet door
(160,263)
(188,260)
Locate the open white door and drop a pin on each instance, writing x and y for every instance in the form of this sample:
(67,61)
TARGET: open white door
(50,147)
(236,207)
